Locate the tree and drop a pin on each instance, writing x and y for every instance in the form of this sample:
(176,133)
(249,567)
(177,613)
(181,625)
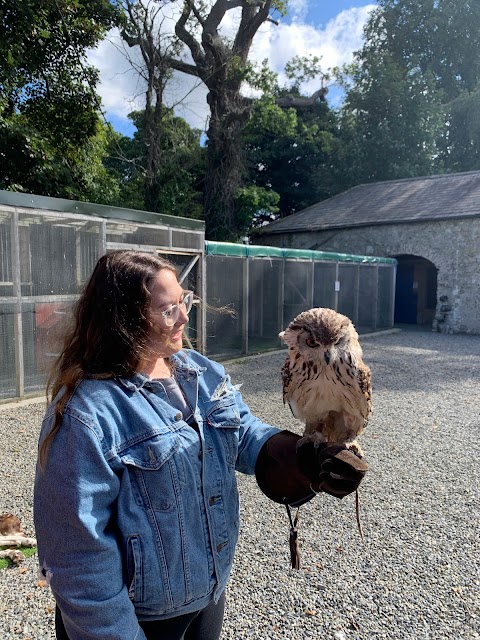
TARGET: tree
(414,89)
(176,180)
(143,27)
(221,63)
(48,107)
(291,148)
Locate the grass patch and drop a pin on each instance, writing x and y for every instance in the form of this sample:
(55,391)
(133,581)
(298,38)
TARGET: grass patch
(28,552)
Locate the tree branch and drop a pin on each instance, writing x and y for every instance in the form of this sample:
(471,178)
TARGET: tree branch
(187,38)
(298,103)
(196,12)
(249,25)
(184,67)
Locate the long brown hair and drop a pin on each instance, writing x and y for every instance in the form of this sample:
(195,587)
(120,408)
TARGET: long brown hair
(110,327)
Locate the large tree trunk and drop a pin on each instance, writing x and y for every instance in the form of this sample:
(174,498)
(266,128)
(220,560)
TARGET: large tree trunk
(219,63)
(225,163)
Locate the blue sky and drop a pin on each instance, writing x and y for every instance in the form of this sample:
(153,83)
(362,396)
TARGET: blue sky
(330,29)
(319,12)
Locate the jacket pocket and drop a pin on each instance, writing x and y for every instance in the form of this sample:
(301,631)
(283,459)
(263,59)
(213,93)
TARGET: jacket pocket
(224,416)
(136,590)
(155,471)
(224,412)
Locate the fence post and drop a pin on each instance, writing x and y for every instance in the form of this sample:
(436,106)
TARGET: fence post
(392,294)
(281,297)
(18,320)
(356,294)
(337,276)
(246,290)
(202,325)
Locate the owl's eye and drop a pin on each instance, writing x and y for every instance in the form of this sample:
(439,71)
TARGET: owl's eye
(310,342)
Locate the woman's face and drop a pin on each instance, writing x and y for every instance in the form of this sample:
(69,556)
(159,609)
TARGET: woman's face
(166,291)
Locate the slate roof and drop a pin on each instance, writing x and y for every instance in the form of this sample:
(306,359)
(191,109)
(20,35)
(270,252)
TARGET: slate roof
(439,197)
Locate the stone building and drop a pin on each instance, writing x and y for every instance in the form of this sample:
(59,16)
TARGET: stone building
(431,225)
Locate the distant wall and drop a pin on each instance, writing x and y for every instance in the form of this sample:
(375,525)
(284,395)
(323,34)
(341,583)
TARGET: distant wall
(452,246)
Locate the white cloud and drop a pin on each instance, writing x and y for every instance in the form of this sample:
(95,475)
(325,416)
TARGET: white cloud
(122,90)
(298,9)
(120,87)
(334,43)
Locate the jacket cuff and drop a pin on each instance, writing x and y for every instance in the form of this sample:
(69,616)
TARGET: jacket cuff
(278,474)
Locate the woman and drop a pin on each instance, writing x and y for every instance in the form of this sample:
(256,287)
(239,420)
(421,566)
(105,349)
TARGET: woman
(136,503)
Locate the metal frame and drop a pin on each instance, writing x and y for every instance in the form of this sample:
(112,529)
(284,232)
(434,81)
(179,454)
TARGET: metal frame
(17,205)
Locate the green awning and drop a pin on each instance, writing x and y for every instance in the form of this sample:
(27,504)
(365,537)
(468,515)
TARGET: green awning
(260,251)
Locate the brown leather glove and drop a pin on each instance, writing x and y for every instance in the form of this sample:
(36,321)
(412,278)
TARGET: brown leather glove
(291,475)
(331,468)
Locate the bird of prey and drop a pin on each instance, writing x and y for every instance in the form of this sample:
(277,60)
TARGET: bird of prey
(325,381)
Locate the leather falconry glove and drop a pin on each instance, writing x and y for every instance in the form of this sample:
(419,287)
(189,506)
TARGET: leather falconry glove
(291,474)
(331,468)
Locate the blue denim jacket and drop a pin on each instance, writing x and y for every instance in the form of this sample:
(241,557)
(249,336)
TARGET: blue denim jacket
(136,513)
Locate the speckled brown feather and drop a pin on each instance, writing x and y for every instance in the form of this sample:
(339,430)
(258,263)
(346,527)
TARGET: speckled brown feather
(327,385)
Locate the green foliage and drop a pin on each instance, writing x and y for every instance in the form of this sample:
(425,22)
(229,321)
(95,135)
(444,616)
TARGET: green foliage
(48,108)
(299,70)
(412,90)
(291,150)
(255,205)
(177,184)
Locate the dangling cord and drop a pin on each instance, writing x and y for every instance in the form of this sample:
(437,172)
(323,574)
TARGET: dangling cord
(294,547)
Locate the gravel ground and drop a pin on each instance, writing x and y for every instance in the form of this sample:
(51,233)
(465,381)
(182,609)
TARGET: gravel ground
(416,576)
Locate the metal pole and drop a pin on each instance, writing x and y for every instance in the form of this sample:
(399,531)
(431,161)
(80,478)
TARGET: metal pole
(375,301)
(337,288)
(18,320)
(202,315)
(281,297)
(102,239)
(246,288)
(356,294)
(312,288)
(392,297)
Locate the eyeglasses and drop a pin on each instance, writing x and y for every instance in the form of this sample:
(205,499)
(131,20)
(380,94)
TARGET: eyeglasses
(170,315)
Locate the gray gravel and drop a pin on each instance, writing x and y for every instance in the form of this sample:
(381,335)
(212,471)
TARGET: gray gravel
(417,576)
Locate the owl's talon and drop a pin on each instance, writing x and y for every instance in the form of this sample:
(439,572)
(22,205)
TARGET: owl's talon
(355,448)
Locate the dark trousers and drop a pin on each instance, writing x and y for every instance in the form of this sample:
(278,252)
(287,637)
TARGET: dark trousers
(200,625)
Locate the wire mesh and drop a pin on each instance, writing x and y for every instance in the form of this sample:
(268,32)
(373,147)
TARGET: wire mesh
(187,239)
(225,286)
(367,298)
(7,351)
(347,278)
(386,297)
(129,233)
(324,284)
(298,292)
(265,294)
(45,259)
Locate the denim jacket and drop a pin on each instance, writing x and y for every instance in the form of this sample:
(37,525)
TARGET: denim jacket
(137,513)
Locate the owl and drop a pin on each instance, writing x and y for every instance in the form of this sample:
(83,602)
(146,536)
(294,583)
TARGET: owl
(325,381)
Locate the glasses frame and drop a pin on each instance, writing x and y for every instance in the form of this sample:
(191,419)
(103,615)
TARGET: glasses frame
(170,315)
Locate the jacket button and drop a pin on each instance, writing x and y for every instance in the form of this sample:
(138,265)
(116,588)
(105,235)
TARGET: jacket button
(178,416)
(212,500)
(220,546)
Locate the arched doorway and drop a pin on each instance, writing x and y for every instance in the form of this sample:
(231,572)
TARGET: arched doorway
(415,291)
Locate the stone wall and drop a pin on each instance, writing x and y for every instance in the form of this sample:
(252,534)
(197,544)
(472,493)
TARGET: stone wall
(453,246)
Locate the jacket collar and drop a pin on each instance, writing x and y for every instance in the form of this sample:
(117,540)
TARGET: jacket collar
(182,362)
